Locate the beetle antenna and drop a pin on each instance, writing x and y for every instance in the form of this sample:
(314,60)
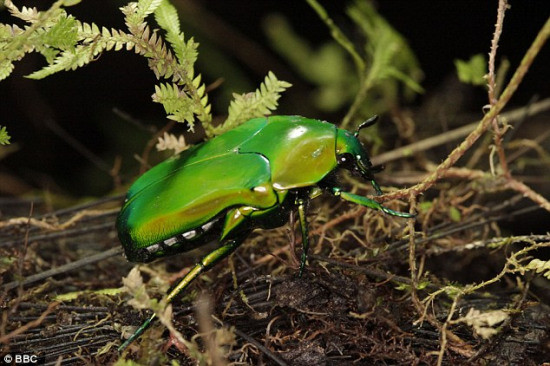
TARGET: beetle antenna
(366,124)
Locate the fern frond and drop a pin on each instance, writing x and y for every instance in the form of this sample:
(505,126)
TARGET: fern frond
(91,42)
(177,104)
(67,60)
(390,55)
(147,7)
(136,12)
(171,142)
(49,33)
(250,105)
(8,31)
(27,14)
(167,18)
(540,266)
(6,67)
(63,34)
(67,44)
(179,69)
(485,324)
(4,137)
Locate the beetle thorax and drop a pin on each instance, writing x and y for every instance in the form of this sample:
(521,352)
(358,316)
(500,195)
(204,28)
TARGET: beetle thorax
(349,147)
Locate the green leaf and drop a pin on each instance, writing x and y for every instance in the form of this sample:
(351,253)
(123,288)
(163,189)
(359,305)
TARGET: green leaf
(454,214)
(425,206)
(472,71)
(422,285)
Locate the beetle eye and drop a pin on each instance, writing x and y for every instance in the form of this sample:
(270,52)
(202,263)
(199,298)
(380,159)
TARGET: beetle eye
(346,160)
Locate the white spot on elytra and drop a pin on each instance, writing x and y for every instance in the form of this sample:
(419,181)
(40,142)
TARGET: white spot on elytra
(190,234)
(153,248)
(171,241)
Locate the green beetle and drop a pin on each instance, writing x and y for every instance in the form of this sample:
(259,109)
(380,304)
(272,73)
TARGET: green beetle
(250,177)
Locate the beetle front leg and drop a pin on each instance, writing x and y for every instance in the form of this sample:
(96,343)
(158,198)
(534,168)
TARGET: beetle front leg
(204,265)
(367,202)
(305,233)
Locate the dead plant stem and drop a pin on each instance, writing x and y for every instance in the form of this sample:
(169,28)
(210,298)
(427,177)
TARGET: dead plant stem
(502,6)
(522,188)
(444,331)
(498,133)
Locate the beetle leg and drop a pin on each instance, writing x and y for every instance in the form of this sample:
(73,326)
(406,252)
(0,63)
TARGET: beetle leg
(367,202)
(204,265)
(376,187)
(305,233)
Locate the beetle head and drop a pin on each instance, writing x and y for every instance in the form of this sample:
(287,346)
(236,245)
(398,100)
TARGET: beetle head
(352,155)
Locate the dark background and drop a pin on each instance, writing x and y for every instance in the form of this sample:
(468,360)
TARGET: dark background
(82,101)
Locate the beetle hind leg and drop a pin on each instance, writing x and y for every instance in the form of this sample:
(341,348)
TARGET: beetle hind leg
(204,265)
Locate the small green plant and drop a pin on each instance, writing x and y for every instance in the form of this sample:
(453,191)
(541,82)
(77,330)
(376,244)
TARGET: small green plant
(4,137)
(472,71)
(385,66)
(67,44)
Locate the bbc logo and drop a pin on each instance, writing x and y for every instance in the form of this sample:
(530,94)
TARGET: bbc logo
(21,359)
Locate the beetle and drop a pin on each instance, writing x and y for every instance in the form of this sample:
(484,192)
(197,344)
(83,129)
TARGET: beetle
(247,178)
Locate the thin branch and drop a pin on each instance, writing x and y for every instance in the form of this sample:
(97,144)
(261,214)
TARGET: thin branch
(484,124)
(498,133)
(337,34)
(502,6)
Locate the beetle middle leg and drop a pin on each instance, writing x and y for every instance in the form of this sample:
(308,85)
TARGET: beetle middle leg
(367,202)
(204,265)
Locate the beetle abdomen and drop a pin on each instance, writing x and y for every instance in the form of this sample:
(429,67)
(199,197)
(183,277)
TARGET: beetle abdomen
(183,242)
